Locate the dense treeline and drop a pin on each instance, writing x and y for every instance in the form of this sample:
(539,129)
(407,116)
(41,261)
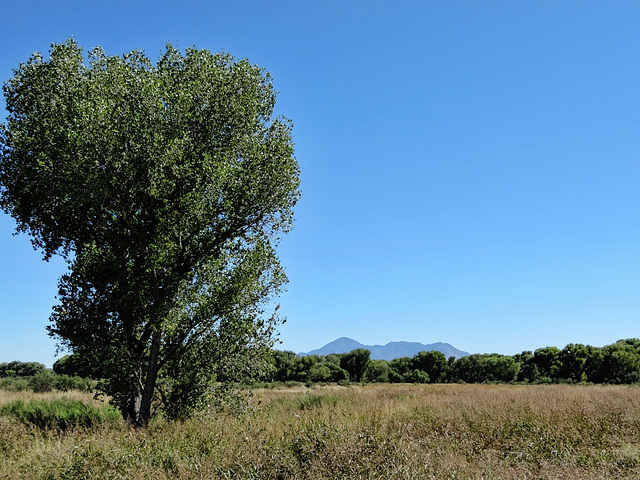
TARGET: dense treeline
(618,363)
(20,369)
(22,376)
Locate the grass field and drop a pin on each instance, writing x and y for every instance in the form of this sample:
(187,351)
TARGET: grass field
(374,431)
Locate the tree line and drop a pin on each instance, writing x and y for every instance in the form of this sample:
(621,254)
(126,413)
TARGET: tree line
(618,363)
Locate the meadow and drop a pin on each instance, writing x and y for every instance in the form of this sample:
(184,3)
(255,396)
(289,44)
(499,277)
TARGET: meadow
(397,431)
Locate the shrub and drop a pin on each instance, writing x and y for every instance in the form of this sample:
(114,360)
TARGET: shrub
(64,383)
(59,414)
(14,384)
(42,382)
(292,384)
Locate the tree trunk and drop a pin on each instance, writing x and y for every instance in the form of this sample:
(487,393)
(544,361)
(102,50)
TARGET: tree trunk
(143,403)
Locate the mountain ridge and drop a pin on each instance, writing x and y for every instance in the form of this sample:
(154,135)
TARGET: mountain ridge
(388,351)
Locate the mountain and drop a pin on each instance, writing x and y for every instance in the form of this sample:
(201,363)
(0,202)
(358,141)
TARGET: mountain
(389,351)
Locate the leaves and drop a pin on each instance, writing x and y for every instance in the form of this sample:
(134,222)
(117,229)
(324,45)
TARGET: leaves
(167,189)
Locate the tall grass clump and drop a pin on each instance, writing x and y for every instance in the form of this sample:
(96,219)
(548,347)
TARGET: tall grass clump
(313,400)
(59,414)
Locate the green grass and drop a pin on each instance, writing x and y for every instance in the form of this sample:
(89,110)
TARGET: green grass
(60,414)
(313,400)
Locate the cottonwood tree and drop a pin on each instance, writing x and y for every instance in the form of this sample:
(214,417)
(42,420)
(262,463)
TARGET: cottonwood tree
(166,187)
(433,363)
(355,363)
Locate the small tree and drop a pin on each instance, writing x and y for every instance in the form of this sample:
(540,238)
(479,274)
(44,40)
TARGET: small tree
(166,187)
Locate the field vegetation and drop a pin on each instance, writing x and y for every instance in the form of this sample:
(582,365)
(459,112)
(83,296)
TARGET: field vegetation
(395,431)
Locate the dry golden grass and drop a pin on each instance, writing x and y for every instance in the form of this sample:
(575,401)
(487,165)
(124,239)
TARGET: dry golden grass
(377,431)
(6,397)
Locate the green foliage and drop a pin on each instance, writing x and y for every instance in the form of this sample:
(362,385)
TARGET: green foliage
(528,369)
(574,360)
(417,376)
(20,369)
(395,377)
(59,414)
(42,382)
(377,371)
(284,366)
(433,363)
(309,369)
(14,384)
(77,365)
(355,363)
(292,384)
(64,383)
(401,366)
(47,381)
(334,358)
(311,401)
(618,363)
(480,368)
(338,374)
(548,362)
(167,188)
(319,372)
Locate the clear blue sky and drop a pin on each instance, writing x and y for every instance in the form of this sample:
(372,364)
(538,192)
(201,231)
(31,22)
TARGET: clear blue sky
(470,170)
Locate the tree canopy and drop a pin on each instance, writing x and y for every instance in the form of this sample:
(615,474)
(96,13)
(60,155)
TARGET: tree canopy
(618,363)
(167,188)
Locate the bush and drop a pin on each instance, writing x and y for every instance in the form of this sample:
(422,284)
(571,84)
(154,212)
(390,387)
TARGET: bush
(43,382)
(64,383)
(543,381)
(59,414)
(14,384)
(292,384)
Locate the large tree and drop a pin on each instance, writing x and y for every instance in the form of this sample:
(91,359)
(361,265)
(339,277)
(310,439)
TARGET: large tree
(166,187)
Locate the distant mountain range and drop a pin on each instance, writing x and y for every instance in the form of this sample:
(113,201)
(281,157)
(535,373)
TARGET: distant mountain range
(389,351)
